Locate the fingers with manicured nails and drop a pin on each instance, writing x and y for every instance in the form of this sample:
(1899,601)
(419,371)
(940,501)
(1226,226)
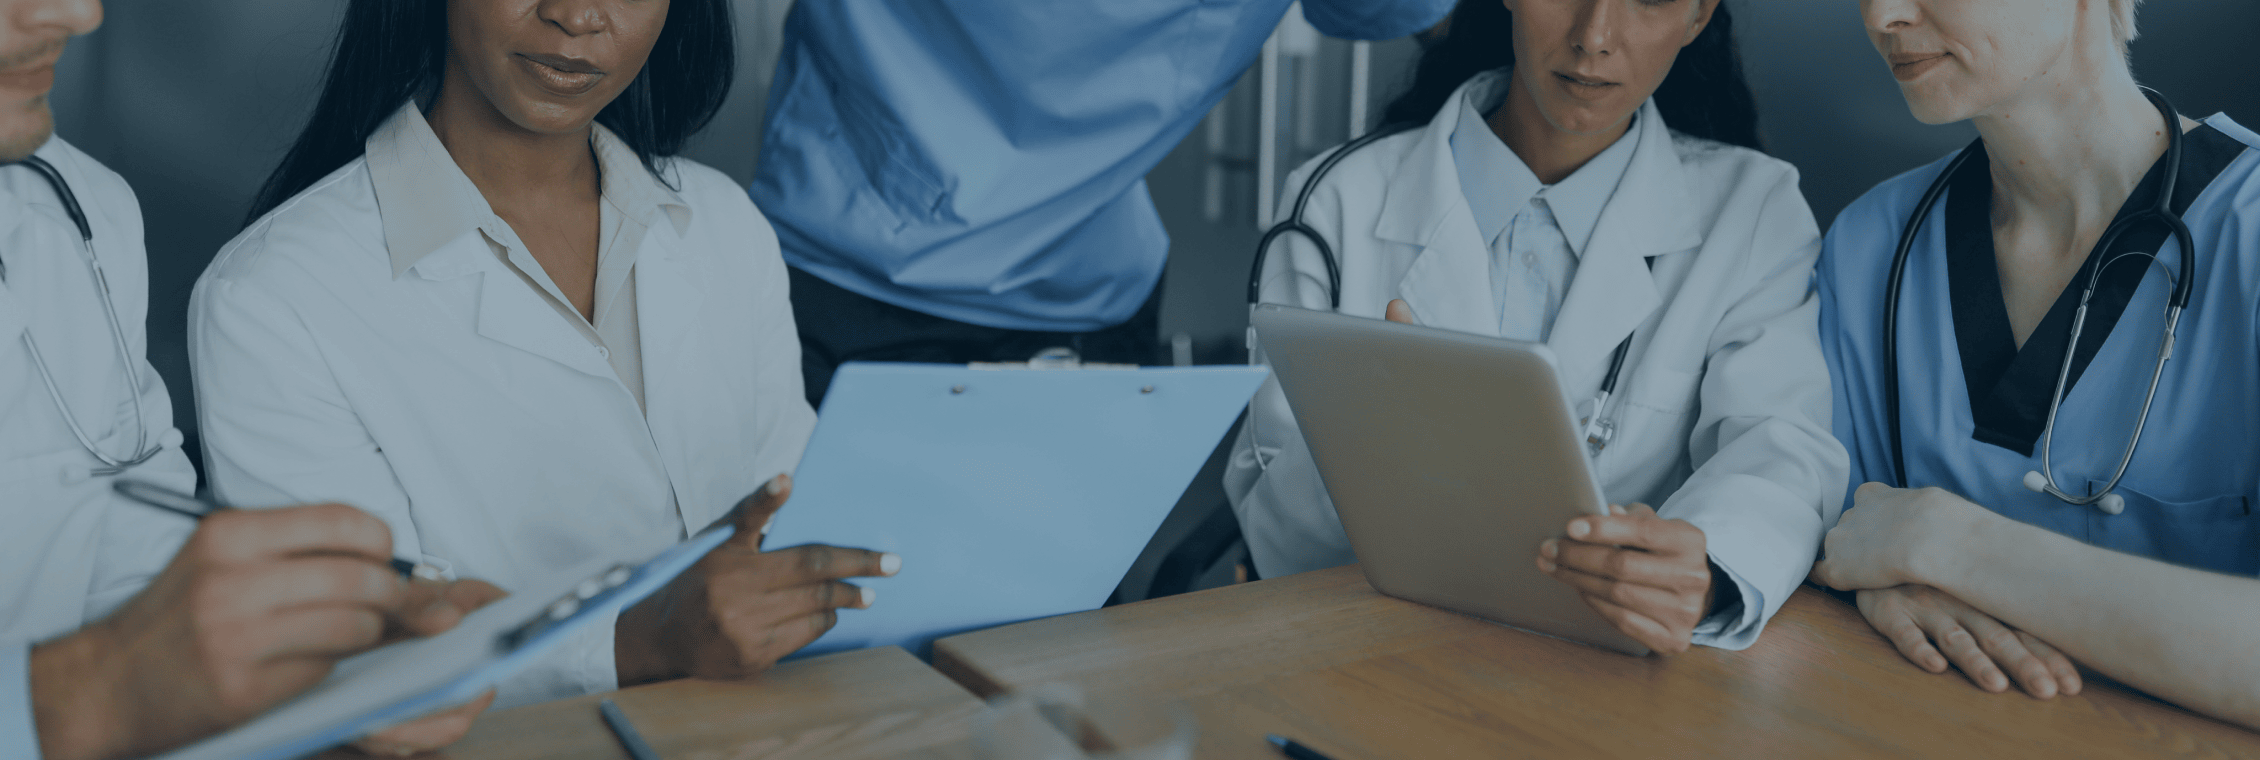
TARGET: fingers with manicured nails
(756,510)
(819,597)
(816,562)
(1632,529)
(2067,675)
(1659,604)
(1631,565)
(1399,311)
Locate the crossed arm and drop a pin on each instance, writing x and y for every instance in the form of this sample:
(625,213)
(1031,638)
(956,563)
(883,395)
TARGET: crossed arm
(2185,635)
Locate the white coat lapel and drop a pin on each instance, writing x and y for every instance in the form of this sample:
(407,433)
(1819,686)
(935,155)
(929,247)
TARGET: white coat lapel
(511,312)
(1448,284)
(1613,292)
(670,293)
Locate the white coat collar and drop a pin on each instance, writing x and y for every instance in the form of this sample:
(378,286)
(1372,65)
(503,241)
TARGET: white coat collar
(1448,283)
(428,202)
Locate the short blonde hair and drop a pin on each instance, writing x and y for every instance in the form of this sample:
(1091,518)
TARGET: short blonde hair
(2122,21)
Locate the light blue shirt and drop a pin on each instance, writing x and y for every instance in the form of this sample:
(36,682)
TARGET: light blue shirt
(1536,232)
(984,161)
(2191,488)
(18,737)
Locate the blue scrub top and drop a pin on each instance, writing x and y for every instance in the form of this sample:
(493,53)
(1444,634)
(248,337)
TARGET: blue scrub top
(985,160)
(2192,486)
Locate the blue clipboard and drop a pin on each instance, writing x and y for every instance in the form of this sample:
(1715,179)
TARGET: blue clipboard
(410,679)
(1011,493)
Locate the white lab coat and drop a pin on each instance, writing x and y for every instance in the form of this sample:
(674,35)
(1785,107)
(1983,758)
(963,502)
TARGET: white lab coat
(1723,405)
(455,403)
(72,549)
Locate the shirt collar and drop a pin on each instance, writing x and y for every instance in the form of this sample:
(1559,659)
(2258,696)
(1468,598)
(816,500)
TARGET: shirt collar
(1498,184)
(427,201)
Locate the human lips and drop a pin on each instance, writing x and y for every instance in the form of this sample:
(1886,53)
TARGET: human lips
(32,71)
(1585,85)
(1907,67)
(563,75)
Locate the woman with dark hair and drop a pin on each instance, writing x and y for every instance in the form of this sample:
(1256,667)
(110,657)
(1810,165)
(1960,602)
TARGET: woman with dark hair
(1585,174)
(481,300)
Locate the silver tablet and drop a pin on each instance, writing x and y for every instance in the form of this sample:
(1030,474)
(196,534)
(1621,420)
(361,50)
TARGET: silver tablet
(1450,458)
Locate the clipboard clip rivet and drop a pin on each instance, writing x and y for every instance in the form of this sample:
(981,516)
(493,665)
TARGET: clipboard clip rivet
(1147,389)
(957,390)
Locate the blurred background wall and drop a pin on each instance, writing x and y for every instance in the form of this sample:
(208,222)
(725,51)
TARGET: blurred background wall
(195,100)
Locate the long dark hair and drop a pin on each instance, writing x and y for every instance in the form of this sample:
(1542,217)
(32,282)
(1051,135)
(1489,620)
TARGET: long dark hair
(1704,95)
(391,50)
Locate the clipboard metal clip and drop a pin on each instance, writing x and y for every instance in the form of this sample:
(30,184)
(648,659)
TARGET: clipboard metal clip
(591,591)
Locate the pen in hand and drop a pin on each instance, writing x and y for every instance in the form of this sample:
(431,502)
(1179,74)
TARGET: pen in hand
(195,508)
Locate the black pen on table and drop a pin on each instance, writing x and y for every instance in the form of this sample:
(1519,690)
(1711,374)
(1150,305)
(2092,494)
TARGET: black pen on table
(1292,749)
(631,741)
(197,509)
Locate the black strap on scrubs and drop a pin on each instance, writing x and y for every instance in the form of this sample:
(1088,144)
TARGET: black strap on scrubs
(2010,389)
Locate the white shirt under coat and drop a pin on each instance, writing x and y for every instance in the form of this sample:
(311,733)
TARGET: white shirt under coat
(362,344)
(72,549)
(1723,407)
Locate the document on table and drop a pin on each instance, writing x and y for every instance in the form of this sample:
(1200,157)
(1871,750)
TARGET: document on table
(1010,494)
(413,678)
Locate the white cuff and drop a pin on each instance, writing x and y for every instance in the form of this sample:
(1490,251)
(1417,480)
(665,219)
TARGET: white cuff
(18,736)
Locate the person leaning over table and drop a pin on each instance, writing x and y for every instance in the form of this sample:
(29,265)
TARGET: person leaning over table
(964,180)
(1955,558)
(107,650)
(1587,170)
(482,300)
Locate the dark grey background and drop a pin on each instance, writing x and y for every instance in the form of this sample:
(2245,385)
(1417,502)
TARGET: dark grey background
(195,100)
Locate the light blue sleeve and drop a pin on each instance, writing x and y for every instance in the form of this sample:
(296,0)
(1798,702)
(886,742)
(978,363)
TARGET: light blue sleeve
(1372,20)
(18,737)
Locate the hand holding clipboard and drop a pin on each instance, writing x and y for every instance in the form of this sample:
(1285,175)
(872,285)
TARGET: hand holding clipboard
(740,609)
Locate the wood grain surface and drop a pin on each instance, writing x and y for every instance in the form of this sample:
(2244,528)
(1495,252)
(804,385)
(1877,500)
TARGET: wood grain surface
(1322,658)
(872,703)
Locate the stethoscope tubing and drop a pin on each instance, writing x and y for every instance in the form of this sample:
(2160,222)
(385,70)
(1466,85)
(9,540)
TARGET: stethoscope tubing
(2161,212)
(143,452)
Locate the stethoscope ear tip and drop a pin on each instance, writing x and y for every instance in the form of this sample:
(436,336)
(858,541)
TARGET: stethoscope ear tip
(2036,482)
(2112,504)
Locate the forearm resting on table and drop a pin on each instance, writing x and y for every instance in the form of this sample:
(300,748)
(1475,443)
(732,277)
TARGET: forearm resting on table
(2186,635)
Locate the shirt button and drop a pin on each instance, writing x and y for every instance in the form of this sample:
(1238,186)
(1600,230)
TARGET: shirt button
(604,352)
(1530,258)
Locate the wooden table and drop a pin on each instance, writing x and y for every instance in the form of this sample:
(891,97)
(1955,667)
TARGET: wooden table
(1322,658)
(872,703)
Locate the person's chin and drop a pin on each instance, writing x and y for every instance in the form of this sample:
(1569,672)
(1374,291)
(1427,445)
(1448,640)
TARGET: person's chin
(24,130)
(1934,110)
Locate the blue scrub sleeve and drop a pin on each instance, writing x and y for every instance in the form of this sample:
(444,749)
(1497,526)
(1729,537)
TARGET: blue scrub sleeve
(1370,20)
(18,737)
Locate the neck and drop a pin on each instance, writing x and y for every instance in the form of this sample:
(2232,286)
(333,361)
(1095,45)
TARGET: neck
(1551,153)
(504,160)
(2068,149)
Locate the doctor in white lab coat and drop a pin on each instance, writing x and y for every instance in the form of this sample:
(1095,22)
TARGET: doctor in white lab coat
(526,338)
(1699,250)
(73,549)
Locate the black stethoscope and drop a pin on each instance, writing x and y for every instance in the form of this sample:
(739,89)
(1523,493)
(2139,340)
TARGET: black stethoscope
(143,450)
(2043,480)
(1599,428)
